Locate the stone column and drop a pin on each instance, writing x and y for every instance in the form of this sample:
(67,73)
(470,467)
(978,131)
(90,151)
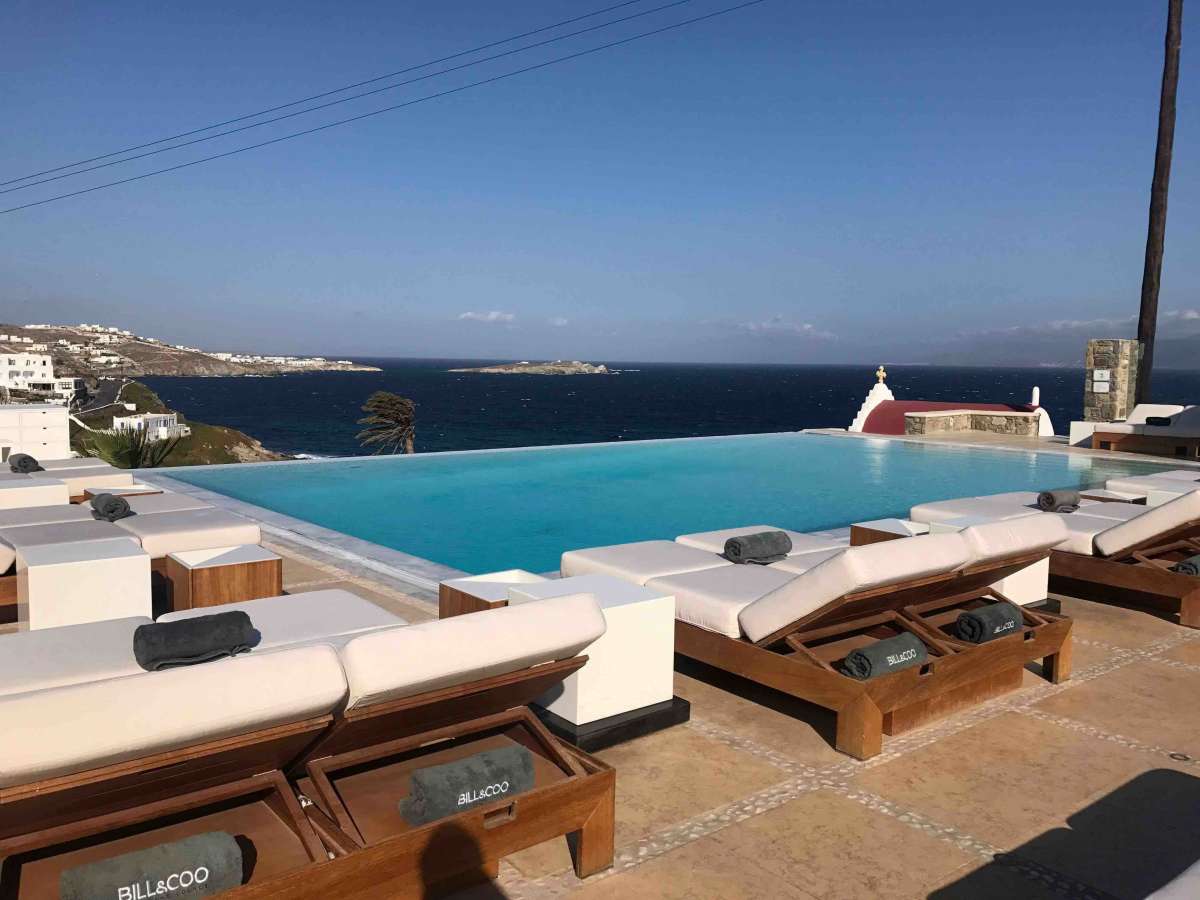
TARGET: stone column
(1110,379)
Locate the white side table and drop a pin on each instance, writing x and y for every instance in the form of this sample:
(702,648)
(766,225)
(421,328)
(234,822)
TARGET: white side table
(626,688)
(69,584)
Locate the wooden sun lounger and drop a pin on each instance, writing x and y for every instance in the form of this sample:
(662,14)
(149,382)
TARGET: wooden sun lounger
(1138,576)
(801,659)
(332,829)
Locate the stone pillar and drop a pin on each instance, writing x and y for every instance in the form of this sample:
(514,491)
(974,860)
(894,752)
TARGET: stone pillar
(1110,379)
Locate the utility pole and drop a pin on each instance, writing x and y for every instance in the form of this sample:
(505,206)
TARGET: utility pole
(1156,231)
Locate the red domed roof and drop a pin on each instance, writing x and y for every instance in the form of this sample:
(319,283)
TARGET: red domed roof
(888,416)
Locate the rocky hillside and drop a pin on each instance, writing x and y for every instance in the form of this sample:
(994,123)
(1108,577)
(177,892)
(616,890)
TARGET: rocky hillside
(206,445)
(88,353)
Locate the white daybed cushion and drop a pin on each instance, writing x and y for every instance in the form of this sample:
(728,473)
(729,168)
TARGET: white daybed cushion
(33,492)
(800,563)
(1181,474)
(640,561)
(1118,512)
(712,598)
(17,539)
(855,569)
(1154,521)
(79,480)
(1009,537)
(332,616)
(86,726)
(152,504)
(1144,484)
(1082,530)
(974,507)
(190,529)
(400,662)
(1142,411)
(714,541)
(45,515)
(76,462)
(73,654)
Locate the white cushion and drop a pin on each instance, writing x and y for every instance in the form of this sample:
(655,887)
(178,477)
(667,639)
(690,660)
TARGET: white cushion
(84,726)
(192,529)
(853,570)
(73,654)
(23,493)
(639,562)
(1010,537)
(1082,530)
(400,662)
(1181,474)
(1118,512)
(45,515)
(802,562)
(969,507)
(302,618)
(27,536)
(1142,411)
(150,504)
(76,462)
(1153,522)
(1144,484)
(714,541)
(712,598)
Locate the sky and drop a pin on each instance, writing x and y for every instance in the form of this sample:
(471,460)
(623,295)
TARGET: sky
(793,182)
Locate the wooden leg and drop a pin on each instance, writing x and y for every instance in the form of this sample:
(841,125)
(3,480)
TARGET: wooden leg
(860,728)
(1056,668)
(592,846)
(1189,610)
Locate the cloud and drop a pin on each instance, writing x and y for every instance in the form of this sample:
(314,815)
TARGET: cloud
(494,315)
(559,322)
(1123,326)
(778,325)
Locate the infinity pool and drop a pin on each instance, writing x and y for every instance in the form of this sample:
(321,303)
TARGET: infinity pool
(500,509)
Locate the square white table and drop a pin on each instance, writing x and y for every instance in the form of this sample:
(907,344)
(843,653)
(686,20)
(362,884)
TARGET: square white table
(626,688)
(223,575)
(69,584)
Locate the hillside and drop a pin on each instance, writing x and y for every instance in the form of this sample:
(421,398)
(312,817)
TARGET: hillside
(91,352)
(206,445)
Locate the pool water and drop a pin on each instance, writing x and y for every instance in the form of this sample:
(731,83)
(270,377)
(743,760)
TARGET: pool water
(489,510)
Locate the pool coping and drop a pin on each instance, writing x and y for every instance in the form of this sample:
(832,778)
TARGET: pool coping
(368,558)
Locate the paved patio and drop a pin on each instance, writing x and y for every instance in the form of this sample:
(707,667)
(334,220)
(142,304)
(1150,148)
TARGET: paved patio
(1090,789)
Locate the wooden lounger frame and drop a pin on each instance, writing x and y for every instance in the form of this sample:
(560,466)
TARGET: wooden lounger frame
(1135,576)
(956,674)
(337,862)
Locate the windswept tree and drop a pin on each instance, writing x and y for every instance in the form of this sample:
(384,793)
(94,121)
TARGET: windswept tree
(128,449)
(391,422)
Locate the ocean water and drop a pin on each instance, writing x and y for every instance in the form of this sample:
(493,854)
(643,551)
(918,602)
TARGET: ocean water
(492,510)
(316,413)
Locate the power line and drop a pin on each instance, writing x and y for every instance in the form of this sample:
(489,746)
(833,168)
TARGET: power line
(386,109)
(322,95)
(390,87)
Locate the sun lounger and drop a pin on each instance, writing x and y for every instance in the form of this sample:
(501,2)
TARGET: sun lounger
(1163,486)
(190,529)
(640,561)
(153,504)
(45,515)
(795,637)
(23,493)
(169,754)
(1127,562)
(714,541)
(77,462)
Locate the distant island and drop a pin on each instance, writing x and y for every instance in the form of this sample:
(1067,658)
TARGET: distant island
(558,367)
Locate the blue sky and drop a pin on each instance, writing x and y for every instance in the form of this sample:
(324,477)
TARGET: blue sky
(795,182)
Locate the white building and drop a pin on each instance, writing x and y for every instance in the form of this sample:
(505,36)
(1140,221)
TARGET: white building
(158,426)
(18,369)
(39,429)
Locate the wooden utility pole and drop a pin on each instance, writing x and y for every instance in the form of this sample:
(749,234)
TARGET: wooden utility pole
(1152,274)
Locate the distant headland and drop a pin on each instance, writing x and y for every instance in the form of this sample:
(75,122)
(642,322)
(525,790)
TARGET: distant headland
(558,367)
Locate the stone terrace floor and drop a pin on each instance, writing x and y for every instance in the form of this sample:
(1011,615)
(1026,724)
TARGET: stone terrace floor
(1090,789)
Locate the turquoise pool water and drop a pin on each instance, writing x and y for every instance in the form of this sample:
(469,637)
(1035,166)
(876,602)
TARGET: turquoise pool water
(492,510)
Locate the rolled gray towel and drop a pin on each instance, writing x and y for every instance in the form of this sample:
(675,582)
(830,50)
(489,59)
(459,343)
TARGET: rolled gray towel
(889,655)
(978,626)
(110,508)
(186,642)
(440,791)
(198,866)
(1058,501)
(1189,566)
(759,548)
(24,464)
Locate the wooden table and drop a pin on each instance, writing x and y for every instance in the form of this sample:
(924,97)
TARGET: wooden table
(130,490)
(475,593)
(223,575)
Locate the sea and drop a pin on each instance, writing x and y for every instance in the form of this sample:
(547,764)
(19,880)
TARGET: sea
(316,413)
